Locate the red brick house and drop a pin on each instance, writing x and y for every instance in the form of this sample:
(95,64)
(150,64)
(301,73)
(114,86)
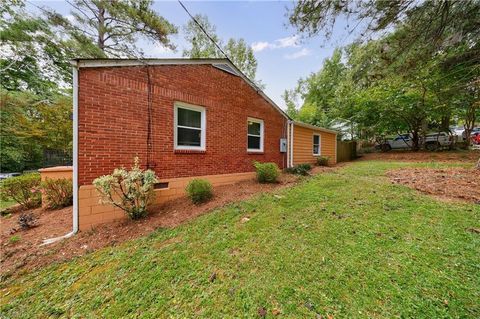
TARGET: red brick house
(183,118)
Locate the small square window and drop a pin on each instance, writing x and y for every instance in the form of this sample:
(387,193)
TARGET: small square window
(189,121)
(254,135)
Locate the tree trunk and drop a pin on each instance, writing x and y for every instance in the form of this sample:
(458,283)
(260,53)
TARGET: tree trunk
(445,124)
(101,28)
(415,141)
(470,119)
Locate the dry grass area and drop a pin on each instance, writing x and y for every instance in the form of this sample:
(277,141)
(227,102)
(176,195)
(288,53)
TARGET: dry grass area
(447,183)
(21,249)
(425,156)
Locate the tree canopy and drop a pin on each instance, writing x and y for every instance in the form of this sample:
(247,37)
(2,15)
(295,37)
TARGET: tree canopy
(201,46)
(415,66)
(36,49)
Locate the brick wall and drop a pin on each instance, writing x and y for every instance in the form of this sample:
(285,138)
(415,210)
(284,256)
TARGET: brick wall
(113,121)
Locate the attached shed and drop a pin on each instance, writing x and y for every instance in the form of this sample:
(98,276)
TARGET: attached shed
(310,142)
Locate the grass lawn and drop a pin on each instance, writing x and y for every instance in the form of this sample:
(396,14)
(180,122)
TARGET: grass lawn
(346,243)
(6,203)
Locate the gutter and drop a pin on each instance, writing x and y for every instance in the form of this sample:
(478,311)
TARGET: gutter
(75,162)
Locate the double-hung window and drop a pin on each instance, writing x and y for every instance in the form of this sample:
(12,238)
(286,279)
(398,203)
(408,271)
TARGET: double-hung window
(254,135)
(316,144)
(189,122)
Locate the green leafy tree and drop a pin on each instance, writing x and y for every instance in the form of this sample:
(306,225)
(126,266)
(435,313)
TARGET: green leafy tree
(33,56)
(420,72)
(201,46)
(112,28)
(30,125)
(318,92)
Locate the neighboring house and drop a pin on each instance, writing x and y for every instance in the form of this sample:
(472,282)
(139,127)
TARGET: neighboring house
(183,118)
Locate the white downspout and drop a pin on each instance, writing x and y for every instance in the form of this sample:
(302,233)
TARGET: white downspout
(75,149)
(291,145)
(288,144)
(75,162)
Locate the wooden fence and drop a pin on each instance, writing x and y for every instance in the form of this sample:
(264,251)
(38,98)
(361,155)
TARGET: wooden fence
(346,151)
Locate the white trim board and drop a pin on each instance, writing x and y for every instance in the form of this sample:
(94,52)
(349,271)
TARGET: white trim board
(202,129)
(262,134)
(313,127)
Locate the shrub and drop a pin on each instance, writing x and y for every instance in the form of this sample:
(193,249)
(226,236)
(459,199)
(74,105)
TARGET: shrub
(131,191)
(199,190)
(57,192)
(267,172)
(14,239)
(300,169)
(26,220)
(23,189)
(322,160)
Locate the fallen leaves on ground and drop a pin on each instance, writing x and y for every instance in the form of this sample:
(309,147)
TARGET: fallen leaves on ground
(448,183)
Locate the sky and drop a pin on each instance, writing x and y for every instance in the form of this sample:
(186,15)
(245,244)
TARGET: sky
(283,55)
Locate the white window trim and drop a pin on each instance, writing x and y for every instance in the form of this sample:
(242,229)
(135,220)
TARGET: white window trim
(319,145)
(254,150)
(203,128)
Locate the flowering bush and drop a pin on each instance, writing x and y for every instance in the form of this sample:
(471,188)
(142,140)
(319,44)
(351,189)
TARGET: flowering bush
(24,189)
(129,190)
(57,192)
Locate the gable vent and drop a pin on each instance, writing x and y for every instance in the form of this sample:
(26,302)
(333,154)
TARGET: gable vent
(225,67)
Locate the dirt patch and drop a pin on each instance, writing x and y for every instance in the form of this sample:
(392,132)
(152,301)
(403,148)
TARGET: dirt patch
(423,156)
(25,253)
(449,183)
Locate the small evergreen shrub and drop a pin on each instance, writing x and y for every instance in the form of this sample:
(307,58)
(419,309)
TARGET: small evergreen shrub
(14,239)
(322,160)
(57,193)
(129,190)
(26,220)
(300,169)
(199,190)
(267,172)
(23,189)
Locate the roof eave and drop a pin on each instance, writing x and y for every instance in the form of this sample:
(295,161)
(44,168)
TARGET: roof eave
(313,127)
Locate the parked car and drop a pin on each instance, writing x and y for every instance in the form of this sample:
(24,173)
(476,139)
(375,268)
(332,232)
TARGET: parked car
(476,138)
(431,142)
(435,141)
(457,131)
(402,141)
(8,175)
(472,132)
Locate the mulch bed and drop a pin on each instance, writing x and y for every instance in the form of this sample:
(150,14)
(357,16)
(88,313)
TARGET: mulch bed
(424,156)
(450,183)
(26,253)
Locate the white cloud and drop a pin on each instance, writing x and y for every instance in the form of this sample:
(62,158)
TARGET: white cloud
(287,42)
(160,50)
(299,54)
(260,46)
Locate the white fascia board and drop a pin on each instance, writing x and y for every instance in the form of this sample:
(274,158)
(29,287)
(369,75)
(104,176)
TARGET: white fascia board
(313,127)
